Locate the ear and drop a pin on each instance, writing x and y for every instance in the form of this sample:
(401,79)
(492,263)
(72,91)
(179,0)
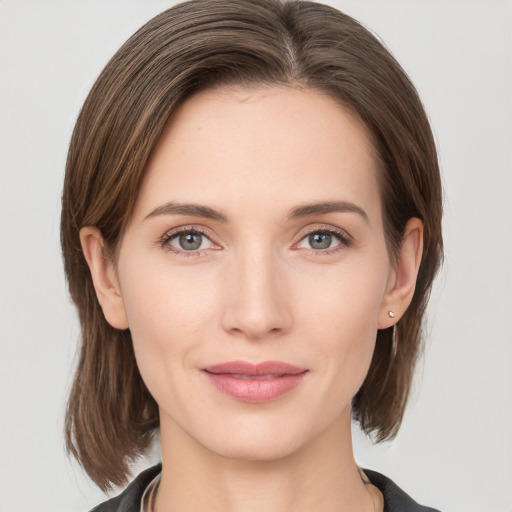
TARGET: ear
(104,278)
(402,282)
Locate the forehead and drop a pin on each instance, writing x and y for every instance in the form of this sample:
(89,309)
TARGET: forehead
(235,146)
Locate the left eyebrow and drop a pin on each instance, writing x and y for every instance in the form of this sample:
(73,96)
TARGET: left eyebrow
(194,210)
(327,207)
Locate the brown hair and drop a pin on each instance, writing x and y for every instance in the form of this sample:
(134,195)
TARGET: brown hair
(204,43)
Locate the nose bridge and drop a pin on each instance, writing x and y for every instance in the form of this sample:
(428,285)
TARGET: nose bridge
(257,305)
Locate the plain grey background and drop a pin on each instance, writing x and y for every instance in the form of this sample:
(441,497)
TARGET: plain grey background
(454,450)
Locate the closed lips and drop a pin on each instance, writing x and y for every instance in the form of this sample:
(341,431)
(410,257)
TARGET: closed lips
(253,377)
(255,383)
(243,369)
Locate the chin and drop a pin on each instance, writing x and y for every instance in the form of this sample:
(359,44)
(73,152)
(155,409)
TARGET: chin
(255,440)
(255,450)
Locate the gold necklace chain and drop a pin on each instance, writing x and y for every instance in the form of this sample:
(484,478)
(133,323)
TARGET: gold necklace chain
(149,496)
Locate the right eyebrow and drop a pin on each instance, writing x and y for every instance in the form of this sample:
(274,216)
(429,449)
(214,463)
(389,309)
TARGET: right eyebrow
(194,210)
(325,207)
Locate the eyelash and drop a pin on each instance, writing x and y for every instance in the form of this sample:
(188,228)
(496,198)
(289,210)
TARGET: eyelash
(171,235)
(344,239)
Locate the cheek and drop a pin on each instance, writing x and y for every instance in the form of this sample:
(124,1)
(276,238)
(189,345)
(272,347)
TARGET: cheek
(345,300)
(341,317)
(167,313)
(162,301)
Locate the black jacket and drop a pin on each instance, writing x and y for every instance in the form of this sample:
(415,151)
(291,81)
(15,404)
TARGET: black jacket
(395,499)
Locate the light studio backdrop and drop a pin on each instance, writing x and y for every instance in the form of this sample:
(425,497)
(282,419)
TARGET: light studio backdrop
(454,450)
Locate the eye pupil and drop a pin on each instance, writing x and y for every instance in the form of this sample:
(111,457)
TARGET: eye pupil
(320,240)
(190,241)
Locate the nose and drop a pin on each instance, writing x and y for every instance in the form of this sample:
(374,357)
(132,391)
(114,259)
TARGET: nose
(257,299)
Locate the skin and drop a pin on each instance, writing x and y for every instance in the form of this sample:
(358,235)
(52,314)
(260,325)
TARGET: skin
(257,290)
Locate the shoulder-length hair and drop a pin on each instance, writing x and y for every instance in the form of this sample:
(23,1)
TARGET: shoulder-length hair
(191,47)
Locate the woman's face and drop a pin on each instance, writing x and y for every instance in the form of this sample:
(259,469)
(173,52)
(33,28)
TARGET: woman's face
(257,238)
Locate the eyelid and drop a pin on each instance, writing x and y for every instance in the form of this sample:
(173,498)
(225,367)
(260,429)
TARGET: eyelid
(345,238)
(187,228)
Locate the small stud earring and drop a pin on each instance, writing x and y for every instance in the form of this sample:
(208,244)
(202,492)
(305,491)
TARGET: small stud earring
(391,314)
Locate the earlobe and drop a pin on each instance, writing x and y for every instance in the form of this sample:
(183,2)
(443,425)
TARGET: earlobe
(403,279)
(104,278)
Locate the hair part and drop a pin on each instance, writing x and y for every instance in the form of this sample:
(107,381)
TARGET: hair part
(203,44)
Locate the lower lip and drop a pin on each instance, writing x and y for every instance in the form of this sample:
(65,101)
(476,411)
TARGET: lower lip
(253,390)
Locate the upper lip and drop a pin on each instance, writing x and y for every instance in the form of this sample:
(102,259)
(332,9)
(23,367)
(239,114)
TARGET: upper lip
(254,370)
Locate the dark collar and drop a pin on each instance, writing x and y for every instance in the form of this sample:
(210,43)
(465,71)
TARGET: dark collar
(129,499)
(395,499)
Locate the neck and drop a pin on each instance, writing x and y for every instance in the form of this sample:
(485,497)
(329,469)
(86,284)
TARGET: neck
(321,476)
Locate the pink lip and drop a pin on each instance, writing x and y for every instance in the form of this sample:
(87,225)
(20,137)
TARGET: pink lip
(255,383)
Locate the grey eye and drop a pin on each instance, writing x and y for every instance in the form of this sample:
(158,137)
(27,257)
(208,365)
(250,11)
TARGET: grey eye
(190,241)
(320,240)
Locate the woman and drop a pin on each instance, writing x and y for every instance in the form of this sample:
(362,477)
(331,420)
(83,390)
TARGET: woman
(251,225)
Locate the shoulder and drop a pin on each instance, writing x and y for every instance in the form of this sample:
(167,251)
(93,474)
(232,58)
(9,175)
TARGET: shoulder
(129,500)
(395,499)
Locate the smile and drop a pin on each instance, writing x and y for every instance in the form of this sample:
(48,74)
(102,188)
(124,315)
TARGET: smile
(259,383)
